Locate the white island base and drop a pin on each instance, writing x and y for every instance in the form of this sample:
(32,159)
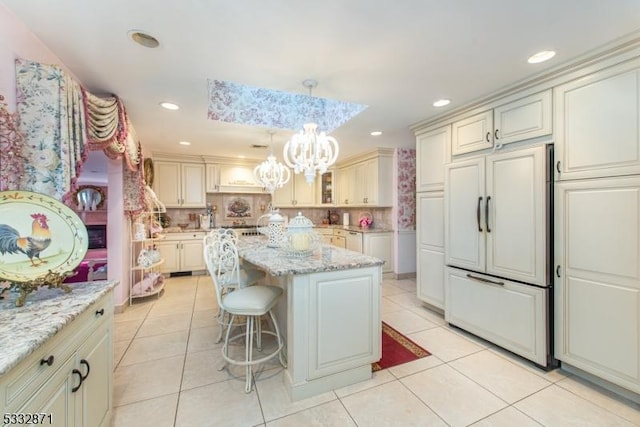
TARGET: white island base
(331,315)
(333,329)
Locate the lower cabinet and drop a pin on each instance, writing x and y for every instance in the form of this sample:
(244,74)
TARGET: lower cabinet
(375,244)
(181,252)
(597,283)
(430,247)
(509,314)
(68,379)
(379,245)
(337,341)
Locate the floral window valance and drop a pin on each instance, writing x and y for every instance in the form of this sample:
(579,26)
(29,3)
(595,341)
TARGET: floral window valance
(59,120)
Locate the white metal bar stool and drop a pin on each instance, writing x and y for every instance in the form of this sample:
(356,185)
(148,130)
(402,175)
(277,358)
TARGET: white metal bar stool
(251,302)
(248,276)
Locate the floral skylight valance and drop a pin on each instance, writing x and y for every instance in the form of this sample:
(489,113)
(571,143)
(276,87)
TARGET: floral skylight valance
(250,105)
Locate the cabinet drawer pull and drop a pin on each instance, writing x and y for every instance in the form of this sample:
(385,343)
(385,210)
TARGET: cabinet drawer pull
(558,271)
(488,136)
(482,279)
(79,374)
(558,166)
(48,361)
(495,134)
(478,214)
(100,312)
(84,362)
(486,214)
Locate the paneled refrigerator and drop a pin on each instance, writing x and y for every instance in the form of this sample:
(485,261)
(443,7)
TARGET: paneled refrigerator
(498,236)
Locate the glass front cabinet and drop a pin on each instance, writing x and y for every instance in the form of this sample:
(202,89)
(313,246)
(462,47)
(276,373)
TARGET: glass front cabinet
(326,191)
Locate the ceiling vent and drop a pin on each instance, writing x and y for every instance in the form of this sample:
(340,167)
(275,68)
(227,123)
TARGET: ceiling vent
(259,146)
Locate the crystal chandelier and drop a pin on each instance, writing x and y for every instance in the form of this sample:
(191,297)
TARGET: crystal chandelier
(309,150)
(271,173)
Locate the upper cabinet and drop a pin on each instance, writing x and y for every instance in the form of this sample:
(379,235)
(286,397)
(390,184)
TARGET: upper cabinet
(367,180)
(525,118)
(473,133)
(295,193)
(213,178)
(325,190)
(180,185)
(433,151)
(597,120)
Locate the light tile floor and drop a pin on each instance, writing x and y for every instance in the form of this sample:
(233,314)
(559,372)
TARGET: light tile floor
(166,375)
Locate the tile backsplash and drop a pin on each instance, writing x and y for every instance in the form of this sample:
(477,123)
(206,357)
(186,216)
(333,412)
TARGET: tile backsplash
(252,206)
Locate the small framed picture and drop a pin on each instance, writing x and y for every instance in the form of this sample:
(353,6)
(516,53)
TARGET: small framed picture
(238,207)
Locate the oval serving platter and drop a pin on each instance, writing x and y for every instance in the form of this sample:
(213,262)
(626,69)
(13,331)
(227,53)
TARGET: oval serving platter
(37,234)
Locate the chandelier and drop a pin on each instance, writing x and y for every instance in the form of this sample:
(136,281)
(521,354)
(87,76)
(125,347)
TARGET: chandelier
(309,150)
(271,173)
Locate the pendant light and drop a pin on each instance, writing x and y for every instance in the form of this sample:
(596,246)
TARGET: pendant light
(271,173)
(310,151)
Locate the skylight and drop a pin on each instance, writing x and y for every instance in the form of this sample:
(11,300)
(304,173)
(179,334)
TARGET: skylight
(251,105)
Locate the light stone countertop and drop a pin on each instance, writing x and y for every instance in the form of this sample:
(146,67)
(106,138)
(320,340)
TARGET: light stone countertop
(46,311)
(356,228)
(278,262)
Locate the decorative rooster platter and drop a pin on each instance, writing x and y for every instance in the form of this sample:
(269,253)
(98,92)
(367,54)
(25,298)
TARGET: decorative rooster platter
(38,236)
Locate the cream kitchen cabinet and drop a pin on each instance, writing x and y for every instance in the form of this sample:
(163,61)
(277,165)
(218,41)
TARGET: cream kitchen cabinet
(374,183)
(433,151)
(430,234)
(346,185)
(295,193)
(367,181)
(339,241)
(496,214)
(333,236)
(597,118)
(597,278)
(181,252)
(325,190)
(525,118)
(70,376)
(180,185)
(379,245)
(212,177)
(325,234)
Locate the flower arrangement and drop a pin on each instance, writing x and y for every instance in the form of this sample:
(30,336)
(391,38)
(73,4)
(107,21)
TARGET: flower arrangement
(365,221)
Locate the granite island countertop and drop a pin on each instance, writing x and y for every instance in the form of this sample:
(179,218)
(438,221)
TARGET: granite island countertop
(46,311)
(278,262)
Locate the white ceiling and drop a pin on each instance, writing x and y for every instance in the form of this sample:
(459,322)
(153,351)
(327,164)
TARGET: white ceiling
(396,56)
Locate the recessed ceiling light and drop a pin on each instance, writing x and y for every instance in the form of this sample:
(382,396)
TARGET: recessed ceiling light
(441,102)
(241,156)
(542,56)
(376,133)
(169,106)
(184,143)
(144,39)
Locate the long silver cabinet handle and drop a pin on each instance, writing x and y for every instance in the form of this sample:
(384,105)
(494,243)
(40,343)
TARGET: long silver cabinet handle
(482,279)
(478,214)
(486,214)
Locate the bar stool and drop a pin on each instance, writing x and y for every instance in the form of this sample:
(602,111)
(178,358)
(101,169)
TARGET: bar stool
(251,302)
(248,276)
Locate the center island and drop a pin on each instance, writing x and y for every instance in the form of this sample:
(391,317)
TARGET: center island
(330,313)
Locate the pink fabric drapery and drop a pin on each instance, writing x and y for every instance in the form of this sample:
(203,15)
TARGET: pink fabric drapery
(59,121)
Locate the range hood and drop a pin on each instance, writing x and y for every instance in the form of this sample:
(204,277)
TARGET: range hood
(246,187)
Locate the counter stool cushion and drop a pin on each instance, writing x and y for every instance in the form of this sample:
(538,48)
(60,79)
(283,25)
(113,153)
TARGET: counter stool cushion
(251,301)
